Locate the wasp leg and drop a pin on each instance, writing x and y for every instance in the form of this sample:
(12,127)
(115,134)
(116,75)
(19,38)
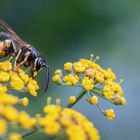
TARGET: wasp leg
(25,59)
(15,63)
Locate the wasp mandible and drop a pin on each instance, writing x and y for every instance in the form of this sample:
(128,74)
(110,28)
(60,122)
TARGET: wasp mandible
(24,54)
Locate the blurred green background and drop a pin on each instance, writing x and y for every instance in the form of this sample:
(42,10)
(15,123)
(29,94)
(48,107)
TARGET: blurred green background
(64,30)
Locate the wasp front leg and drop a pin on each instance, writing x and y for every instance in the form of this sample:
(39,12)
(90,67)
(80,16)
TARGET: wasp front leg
(25,59)
(19,60)
(33,73)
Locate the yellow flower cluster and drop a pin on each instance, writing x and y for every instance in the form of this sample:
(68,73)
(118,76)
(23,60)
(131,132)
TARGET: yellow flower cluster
(71,79)
(72,123)
(25,120)
(87,83)
(111,88)
(17,80)
(9,114)
(89,75)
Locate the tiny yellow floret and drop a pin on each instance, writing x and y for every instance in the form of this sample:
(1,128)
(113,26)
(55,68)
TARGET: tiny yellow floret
(10,113)
(99,77)
(32,87)
(25,120)
(87,83)
(23,76)
(94,100)
(3,89)
(68,66)
(79,67)
(90,72)
(72,99)
(108,92)
(58,71)
(52,109)
(16,82)
(24,101)
(123,101)
(71,79)
(6,66)
(110,74)
(52,128)
(57,79)
(8,99)
(4,76)
(110,114)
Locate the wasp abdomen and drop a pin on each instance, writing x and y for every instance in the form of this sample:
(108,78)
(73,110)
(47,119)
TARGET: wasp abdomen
(6,48)
(11,50)
(3,53)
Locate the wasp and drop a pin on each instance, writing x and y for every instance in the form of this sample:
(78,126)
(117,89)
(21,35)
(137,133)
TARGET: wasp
(24,54)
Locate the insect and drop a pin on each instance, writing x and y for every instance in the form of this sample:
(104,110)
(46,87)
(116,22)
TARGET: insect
(24,54)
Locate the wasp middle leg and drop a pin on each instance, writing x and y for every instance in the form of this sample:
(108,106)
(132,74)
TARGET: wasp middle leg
(25,59)
(15,63)
(22,57)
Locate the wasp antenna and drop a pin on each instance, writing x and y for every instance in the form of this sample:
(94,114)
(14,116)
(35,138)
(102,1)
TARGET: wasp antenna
(47,77)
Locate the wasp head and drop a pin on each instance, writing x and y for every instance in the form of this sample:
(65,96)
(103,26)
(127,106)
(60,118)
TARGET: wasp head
(39,63)
(37,67)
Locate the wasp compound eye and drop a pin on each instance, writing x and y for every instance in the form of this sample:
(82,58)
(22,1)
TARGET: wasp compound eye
(39,63)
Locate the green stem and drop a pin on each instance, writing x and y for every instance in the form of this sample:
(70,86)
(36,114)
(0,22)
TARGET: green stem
(64,84)
(77,99)
(100,109)
(31,131)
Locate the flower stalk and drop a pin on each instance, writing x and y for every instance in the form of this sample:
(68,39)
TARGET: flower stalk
(29,132)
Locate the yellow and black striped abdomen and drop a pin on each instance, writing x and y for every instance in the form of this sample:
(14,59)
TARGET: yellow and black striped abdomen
(2,50)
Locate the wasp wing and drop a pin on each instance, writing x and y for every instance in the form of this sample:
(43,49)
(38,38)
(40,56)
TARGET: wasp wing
(8,30)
